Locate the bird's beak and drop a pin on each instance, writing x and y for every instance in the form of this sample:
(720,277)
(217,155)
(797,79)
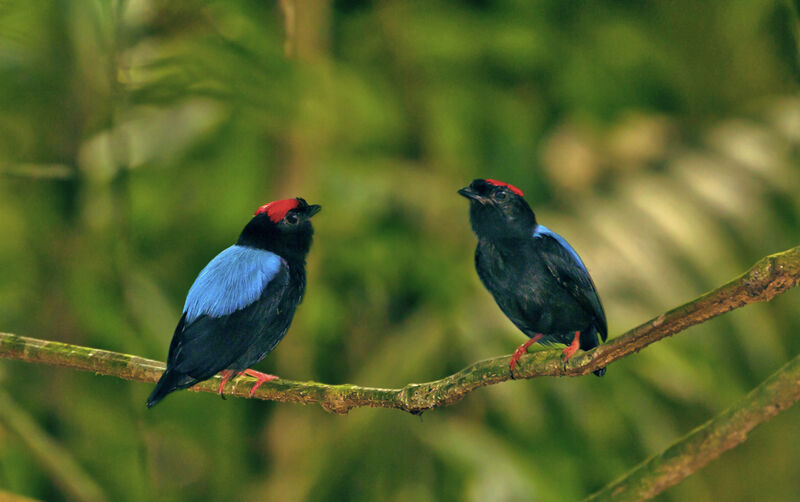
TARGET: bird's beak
(469,193)
(312,210)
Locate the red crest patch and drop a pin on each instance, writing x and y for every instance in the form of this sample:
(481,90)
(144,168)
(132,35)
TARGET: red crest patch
(503,184)
(276,210)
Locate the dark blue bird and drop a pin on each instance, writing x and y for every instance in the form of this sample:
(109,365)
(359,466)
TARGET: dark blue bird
(537,279)
(241,304)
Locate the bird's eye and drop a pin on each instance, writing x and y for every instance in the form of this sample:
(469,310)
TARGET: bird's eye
(292,218)
(500,195)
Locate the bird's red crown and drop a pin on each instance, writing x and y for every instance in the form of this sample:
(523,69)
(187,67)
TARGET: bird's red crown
(503,184)
(276,210)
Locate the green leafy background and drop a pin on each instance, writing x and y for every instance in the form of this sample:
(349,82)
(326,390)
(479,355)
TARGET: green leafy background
(137,137)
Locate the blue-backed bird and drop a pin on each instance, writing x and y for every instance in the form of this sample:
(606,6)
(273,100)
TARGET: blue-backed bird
(243,301)
(537,279)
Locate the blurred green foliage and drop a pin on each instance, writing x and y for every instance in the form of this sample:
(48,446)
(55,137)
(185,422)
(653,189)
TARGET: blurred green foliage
(137,137)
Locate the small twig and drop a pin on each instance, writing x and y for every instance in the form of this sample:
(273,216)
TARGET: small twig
(39,171)
(769,277)
(290,25)
(710,440)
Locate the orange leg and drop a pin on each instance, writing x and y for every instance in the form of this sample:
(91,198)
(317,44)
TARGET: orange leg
(522,349)
(261,377)
(226,375)
(573,347)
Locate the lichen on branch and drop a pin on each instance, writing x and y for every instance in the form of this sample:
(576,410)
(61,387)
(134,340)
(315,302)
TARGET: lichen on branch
(769,277)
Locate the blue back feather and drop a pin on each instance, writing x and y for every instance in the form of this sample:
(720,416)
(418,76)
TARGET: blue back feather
(543,230)
(234,279)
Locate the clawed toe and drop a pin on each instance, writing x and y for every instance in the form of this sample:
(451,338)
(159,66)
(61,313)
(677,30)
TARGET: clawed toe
(261,377)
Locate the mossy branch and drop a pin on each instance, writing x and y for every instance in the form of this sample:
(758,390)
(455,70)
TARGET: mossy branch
(769,277)
(692,452)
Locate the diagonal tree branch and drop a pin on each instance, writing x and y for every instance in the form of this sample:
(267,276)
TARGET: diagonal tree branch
(692,452)
(769,277)
(62,468)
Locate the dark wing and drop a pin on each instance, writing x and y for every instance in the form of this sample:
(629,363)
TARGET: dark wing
(210,344)
(569,271)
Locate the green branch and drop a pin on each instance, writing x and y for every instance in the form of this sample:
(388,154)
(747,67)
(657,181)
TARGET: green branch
(710,440)
(769,277)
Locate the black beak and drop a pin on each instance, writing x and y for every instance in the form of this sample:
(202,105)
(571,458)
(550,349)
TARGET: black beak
(312,210)
(469,193)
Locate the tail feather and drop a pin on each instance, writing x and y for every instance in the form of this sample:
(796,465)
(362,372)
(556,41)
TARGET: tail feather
(169,381)
(588,341)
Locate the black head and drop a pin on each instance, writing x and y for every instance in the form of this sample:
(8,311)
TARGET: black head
(497,210)
(283,227)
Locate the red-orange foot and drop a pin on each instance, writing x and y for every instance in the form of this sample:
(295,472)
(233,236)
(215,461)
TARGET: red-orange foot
(261,377)
(226,375)
(522,349)
(573,347)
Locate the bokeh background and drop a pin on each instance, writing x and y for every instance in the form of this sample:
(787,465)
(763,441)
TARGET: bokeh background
(137,137)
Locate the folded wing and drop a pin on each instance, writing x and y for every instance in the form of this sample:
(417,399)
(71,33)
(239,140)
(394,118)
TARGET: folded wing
(568,269)
(228,310)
